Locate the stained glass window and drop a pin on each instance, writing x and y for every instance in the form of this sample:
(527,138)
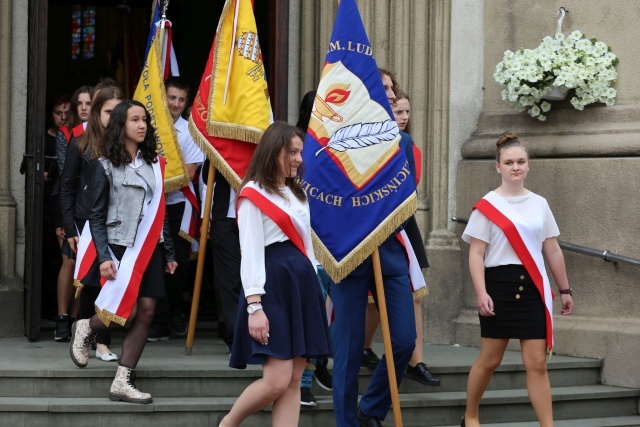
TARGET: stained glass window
(83,32)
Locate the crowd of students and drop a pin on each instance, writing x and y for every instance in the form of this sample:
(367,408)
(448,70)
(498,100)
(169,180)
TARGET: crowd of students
(107,185)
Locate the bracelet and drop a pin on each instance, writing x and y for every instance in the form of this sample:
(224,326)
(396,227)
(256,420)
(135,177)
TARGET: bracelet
(255,302)
(568,291)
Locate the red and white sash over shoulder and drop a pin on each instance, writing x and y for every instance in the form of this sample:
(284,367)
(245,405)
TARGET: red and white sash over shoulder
(524,243)
(118,297)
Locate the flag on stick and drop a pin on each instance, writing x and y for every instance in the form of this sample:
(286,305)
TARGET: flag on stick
(151,93)
(231,109)
(169,60)
(356,173)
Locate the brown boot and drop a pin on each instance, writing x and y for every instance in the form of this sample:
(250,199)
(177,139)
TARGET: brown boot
(81,339)
(124,388)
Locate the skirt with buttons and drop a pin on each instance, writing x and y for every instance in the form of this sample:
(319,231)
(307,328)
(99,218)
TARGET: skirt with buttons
(295,308)
(518,306)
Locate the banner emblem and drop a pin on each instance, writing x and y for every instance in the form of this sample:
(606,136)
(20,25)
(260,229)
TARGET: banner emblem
(361,124)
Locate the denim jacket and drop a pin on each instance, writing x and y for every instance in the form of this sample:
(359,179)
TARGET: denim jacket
(117,208)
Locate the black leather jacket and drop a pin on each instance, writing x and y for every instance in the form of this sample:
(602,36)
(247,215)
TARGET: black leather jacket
(76,187)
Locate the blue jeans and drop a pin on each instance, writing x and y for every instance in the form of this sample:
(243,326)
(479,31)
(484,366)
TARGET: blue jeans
(325,284)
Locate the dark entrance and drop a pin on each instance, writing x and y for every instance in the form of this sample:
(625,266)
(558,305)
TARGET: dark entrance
(53,71)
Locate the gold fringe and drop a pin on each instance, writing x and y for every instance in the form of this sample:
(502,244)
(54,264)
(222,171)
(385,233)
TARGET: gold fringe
(339,270)
(78,285)
(212,154)
(370,300)
(108,317)
(234,131)
(185,236)
(422,292)
(309,366)
(175,182)
(193,256)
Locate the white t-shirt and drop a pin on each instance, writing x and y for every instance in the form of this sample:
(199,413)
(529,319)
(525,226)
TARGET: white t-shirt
(190,153)
(257,231)
(533,208)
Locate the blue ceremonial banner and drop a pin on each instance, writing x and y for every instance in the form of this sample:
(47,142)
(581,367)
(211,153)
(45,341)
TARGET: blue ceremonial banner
(358,179)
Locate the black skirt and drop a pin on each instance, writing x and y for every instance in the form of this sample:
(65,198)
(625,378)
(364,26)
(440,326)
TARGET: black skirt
(152,283)
(517,304)
(295,308)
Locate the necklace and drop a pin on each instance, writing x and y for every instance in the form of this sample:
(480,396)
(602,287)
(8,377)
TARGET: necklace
(517,199)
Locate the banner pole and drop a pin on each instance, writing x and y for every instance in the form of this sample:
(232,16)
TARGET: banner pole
(202,251)
(386,337)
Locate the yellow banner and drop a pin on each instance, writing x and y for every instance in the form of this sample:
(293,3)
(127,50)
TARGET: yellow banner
(239,105)
(151,93)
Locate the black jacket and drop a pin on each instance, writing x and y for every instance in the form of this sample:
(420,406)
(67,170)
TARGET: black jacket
(76,187)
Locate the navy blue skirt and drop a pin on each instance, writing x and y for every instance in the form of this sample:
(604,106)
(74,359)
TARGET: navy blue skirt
(294,306)
(520,311)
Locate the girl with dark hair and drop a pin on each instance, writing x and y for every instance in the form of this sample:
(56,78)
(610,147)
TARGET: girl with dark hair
(129,229)
(76,197)
(79,110)
(281,315)
(510,229)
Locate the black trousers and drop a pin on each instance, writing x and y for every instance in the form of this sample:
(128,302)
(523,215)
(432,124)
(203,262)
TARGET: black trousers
(171,305)
(225,242)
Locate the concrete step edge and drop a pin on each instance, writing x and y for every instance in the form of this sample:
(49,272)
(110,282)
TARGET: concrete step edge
(628,421)
(408,400)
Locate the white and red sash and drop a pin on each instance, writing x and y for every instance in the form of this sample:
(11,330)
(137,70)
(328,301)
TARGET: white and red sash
(189,225)
(79,130)
(118,297)
(85,257)
(418,283)
(525,245)
(276,208)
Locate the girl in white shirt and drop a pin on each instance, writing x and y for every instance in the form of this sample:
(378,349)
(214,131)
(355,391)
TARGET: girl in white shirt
(513,293)
(281,314)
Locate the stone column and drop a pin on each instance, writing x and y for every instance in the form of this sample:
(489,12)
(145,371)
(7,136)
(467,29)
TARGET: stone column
(7,203)
(443,249)
(11,286)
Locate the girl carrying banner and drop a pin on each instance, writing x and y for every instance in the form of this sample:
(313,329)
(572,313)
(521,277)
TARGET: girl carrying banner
(509,230)
(281,313)
(130,231)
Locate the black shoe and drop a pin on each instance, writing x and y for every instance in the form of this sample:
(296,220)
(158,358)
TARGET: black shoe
(370,359)
(322,375)
(158,335)
(62,332)
(220,417)
(368,421)
(178,326)
(306,397)
(421,373)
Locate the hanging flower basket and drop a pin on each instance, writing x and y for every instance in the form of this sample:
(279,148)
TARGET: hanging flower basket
(586,68)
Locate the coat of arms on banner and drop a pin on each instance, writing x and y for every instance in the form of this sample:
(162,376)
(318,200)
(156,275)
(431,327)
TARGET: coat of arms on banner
(363,142)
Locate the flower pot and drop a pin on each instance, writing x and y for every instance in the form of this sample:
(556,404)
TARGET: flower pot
(558,93)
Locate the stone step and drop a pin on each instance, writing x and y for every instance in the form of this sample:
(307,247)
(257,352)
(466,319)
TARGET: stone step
(165,371)
(630,421)
(196,381)
(418,409)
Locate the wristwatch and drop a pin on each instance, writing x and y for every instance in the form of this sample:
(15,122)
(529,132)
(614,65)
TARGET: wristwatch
(253,308)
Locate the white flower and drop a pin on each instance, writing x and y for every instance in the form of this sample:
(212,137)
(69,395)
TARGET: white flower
(545,106)
(534,111)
